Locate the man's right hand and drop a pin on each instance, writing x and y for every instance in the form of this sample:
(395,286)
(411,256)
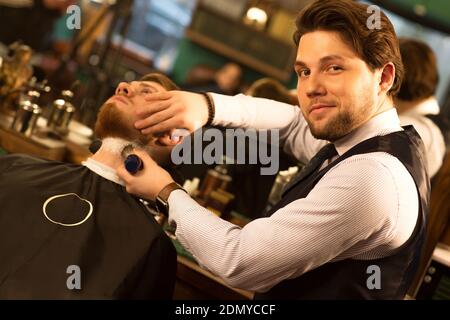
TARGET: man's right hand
(167,111)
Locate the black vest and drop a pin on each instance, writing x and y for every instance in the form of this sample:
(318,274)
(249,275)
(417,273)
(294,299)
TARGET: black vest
(347,279)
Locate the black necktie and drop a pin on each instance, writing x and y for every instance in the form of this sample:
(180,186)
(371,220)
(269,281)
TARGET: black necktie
(327,152)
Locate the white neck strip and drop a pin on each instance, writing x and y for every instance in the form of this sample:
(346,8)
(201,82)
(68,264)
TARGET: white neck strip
(115,145)
(102,170)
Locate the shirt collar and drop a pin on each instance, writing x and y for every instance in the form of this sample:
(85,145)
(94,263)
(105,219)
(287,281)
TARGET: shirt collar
(103,171)
(382,124)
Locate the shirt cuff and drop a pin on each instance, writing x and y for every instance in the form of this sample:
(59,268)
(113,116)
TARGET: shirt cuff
(179,201)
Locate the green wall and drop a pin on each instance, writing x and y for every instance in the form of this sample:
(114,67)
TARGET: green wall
(436,10)
(191,54)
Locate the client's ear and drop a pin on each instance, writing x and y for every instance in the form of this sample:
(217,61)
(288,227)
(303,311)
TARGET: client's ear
(173,138)
(168,140)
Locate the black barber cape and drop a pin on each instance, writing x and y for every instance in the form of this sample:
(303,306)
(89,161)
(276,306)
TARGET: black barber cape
(118,252)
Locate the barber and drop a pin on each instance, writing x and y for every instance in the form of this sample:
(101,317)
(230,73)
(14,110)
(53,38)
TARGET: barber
(351,224)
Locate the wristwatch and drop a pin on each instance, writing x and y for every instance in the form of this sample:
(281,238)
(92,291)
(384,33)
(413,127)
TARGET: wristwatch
(162,203)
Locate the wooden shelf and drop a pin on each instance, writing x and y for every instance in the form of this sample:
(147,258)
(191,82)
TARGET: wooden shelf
(51,149)
(243,44)
(15,142)
(205,282)
(238,56)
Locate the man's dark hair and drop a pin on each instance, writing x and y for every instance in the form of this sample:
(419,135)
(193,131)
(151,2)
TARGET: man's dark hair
(375,46)
(421,74)
(162,79)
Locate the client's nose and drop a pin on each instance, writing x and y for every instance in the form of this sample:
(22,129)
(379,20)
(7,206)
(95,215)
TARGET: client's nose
(124,89)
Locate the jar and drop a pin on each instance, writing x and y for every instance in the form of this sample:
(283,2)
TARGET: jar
(62,113)
(26,118)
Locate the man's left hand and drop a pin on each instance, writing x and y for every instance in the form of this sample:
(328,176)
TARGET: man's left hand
(148,182)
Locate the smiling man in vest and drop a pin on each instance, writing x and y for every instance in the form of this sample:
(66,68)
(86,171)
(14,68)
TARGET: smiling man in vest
(357,209)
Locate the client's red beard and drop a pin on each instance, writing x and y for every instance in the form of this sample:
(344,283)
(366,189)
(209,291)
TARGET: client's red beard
(112,123)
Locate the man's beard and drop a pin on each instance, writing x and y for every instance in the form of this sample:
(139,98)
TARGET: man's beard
(112,123)
(349,118)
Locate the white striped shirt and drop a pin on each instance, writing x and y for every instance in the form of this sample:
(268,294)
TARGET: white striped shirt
(363,208)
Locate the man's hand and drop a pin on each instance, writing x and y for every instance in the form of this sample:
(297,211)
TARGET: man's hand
(146,183)
(166,111)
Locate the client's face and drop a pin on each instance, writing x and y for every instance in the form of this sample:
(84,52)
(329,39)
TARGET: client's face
(117,116)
